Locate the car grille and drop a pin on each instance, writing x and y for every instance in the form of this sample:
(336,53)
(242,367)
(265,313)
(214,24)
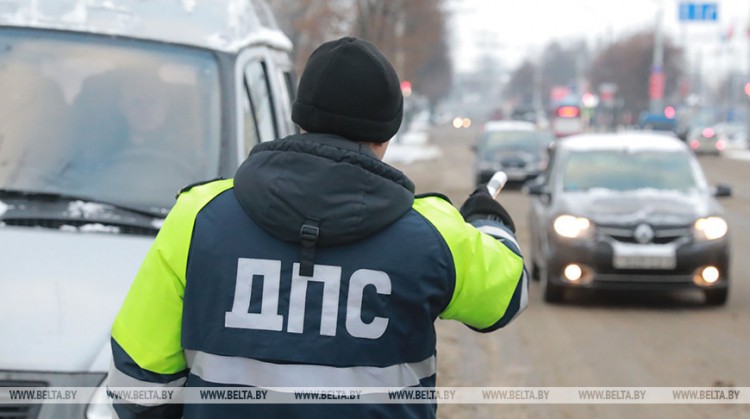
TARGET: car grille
(20,411)
(662,234)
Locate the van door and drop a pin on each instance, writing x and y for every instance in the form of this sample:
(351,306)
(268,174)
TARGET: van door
(258,122)
(284,82)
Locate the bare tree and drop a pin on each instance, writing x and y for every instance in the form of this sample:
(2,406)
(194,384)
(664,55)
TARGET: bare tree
(562,65)
(427,55)
(309,23)
(627,64)
(411,33)
(520,88)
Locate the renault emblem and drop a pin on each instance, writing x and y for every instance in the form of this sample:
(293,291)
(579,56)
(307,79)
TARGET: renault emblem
(644,233)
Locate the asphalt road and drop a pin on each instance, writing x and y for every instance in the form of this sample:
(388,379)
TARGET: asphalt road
(598,339)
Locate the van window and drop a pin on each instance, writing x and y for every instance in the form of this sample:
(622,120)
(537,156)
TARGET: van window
(261,102)
(289,82)
(123,122)
(250,131)
(285,99)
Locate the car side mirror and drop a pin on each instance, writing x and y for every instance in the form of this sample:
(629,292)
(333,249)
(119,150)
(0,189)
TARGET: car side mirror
(535,188)
(722,191)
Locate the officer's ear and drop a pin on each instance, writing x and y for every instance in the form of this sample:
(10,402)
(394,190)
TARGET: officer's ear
(379,149)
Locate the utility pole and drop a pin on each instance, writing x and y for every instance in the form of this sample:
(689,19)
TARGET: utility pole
(538,86)
(656,81)
(747,79)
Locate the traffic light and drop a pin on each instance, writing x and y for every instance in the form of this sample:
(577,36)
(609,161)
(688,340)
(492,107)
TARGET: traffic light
(406,88)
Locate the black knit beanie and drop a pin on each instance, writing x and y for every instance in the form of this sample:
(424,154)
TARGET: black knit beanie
(349,88)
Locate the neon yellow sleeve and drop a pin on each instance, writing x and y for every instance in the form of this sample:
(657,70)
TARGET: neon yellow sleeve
(487,272)
(148,326)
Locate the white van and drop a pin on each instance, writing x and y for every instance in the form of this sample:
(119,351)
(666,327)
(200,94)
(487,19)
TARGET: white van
(109,108)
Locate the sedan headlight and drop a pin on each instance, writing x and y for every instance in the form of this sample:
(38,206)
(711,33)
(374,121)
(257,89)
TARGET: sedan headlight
(710,228)
(572,227)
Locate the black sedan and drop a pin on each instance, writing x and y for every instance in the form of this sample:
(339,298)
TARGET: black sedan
(515,147)
(627,211)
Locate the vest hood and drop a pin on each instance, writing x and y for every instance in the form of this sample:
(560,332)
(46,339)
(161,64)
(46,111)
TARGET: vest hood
(338,183)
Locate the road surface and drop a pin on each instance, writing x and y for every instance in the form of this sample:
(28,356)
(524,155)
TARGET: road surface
(598,340)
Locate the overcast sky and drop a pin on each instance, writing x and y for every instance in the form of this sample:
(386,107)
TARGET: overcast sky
(512,29)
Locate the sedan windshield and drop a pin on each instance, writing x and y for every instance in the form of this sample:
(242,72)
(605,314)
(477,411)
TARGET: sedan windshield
(124,122)
(623,170)
(511,142)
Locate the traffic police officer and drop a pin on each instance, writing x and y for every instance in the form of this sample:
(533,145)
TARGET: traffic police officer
(316,265)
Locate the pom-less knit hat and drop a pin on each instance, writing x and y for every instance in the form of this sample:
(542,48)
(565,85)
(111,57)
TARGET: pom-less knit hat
(349,88)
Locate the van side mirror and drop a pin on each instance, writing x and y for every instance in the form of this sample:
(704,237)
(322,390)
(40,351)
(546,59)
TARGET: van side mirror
(722,191)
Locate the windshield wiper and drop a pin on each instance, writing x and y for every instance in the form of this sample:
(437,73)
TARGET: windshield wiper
(55,196)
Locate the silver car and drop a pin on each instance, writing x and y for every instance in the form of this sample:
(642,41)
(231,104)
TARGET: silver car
(705,140)
(106,112)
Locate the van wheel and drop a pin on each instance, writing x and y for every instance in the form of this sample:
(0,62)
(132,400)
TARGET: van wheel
(716,297)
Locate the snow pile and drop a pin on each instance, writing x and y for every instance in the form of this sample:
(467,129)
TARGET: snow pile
(81,209)
(90,228)
(410,146)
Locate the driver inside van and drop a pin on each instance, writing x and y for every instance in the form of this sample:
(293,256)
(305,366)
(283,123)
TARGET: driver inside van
(137,136)
(144,106)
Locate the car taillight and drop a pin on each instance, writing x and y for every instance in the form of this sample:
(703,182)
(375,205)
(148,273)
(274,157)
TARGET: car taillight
(721,145)
(694,144)
(708,132)
(568,111)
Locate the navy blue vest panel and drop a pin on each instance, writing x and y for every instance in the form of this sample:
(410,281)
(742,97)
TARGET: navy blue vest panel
(414,281)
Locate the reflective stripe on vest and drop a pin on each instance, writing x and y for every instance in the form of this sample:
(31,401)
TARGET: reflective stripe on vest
(251,372)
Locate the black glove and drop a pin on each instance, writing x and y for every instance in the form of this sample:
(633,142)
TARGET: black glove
(481,206)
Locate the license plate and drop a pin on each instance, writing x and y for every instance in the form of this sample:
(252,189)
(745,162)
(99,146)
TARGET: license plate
(643,256)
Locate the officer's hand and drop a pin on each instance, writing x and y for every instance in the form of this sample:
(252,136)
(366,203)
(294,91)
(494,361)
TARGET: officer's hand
(481,206)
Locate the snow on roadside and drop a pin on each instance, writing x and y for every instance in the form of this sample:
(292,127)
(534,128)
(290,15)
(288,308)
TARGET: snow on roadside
(738,154)
(413,145)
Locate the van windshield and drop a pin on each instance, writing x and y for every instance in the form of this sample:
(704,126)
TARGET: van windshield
(113,120)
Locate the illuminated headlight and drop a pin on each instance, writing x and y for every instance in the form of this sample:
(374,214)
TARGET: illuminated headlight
(572,227)
(710,228)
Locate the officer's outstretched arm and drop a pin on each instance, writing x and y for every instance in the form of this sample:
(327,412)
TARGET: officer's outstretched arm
(491,283)
(146,347)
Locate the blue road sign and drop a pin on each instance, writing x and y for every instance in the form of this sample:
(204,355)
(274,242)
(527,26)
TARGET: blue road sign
(698,11)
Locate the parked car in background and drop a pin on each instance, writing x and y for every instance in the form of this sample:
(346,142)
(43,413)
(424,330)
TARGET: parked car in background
(567,119)
(704,140)
(627,211)
(734,134)
(531,114)
(107,110)
(515,147)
